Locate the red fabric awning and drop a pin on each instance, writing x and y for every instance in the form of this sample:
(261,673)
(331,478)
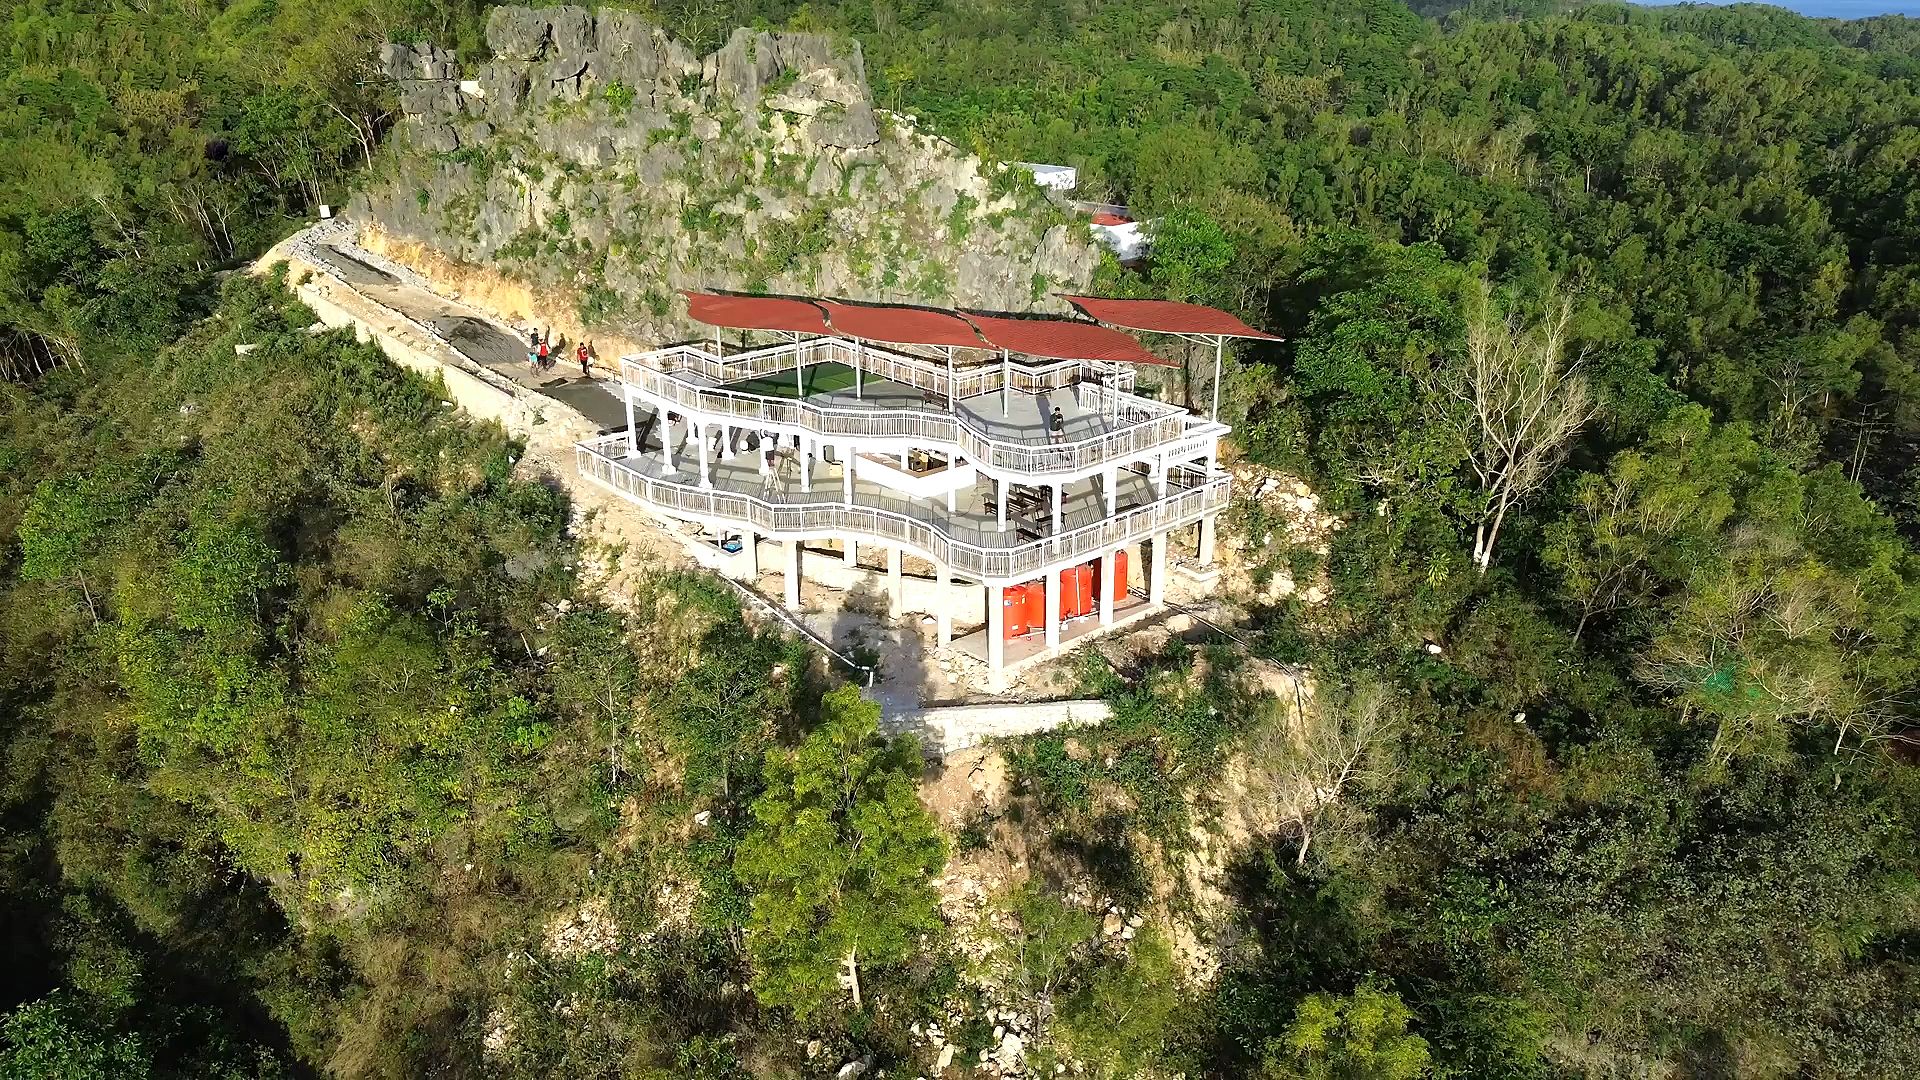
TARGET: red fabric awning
(900,325)
(756,313)
(1063,339)
(1168,317)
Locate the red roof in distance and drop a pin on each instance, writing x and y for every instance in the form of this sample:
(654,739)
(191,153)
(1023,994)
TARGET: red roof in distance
(900,325)
(1168,317)
(1063,339)
(756,313)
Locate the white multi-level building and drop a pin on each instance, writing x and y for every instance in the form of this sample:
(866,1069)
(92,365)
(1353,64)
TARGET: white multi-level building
(1010,454)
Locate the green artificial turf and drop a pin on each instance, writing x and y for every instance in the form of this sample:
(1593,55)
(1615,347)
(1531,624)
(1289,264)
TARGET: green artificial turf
(819,379)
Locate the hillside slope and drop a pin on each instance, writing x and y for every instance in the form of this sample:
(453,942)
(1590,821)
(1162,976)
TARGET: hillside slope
(596,154)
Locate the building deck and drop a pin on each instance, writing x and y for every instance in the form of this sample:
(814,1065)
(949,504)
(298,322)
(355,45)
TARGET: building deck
(972,519)
(1025,420)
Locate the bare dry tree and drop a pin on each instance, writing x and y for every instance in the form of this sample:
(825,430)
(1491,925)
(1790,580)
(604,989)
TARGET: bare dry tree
(1524,401)
(1311,756)
(26,353)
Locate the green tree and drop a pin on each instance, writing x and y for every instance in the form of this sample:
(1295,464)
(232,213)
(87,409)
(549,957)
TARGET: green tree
(55,1039)
(1127,1019)
(838,858)
(1359,1036)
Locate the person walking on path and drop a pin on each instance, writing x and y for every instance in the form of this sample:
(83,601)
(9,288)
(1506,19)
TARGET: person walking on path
(533,348)
(546,355)
(584,354)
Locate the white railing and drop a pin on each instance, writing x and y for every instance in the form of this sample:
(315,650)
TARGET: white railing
(1147,426)
(949,538)
(922,372)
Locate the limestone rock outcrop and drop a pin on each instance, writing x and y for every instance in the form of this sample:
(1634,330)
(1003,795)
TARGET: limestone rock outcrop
(597,156)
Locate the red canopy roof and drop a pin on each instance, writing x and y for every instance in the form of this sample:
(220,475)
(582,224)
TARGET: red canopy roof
(756,313)
(1168,317)
(900,325)
(1063,339)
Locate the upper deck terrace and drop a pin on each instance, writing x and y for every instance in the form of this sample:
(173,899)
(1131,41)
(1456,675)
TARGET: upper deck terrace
(995,414)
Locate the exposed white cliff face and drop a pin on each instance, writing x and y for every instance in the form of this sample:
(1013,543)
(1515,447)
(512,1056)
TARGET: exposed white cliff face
(597,154)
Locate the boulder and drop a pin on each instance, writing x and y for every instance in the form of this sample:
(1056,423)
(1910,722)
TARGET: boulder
(517,33)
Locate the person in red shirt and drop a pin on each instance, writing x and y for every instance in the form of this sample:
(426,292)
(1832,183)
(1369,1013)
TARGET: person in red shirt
(546,355)
(584,354)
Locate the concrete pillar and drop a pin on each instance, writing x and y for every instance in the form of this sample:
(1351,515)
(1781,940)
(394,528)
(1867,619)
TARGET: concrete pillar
(727,450)
(1160,477)
(1001,503)
(852,551)
(793,575)
(996,629)
(1059,495)
(706,471)
(1157,575)
(945,614)
(750,547)
(766,448)
(1206,539)
(1112,483)
(1107,589)
(806,462)
(846,476)
(896,596)
(666,442)
(1053,609)
(633,436)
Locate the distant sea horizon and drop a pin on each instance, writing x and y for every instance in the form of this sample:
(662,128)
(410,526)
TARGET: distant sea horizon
(1838,9)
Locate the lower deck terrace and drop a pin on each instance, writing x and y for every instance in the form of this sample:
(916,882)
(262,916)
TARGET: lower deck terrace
(811,496)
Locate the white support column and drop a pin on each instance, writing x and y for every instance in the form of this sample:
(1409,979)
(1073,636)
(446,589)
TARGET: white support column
(1157,573)
(950,497)
(1053,609)
(1206,539)
(1160,477)
(793,575)
(666,442)
(896,595)
(1219,347)
(996,629)
(1107,588)
(727,450)
(1000,504)
(750,547)
(846,475)
(859,352)
(941,575)
(633,436)
(806,462)
(1111,482)
(1006,381)
(1059,495)
(764,452)
(706,472)
(851,552)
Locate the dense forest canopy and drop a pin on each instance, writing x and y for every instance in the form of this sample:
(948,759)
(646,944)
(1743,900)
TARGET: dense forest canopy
(1604,340)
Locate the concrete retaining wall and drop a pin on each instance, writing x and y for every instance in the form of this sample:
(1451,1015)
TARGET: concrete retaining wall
(943,731)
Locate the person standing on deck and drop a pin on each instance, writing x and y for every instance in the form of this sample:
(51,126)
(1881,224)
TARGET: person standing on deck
(1057,427)
(769,476)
